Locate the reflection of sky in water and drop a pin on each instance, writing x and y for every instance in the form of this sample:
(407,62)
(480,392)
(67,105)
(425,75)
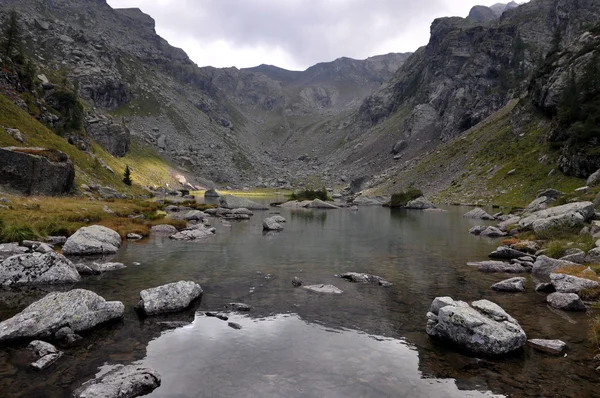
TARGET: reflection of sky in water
(284,356)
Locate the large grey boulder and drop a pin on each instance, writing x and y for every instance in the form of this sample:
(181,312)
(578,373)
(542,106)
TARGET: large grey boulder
(122,382)
(506,253)
(78,310)
(163,229)
(172,297)
(540,203)
(234,202)
(478,214)
(564,213)
(500,267)
(95,239)
(566,301)
(544,266)
(272,224)
(511,285)
(492,232)
(594,179)
(563,222)
(370,201)
(484,327)
(197,232)
(45,353)
(211,193)
(324,289)
(358,277)
(571,284)
(36,171)
(420,203)
(37,268)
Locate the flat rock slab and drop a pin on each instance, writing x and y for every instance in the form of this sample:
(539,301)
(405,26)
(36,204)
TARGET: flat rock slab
(37,268)
(566,302)
(499,267)
(572,284)
(77,309)
(544,266)
(324,289)
(98,268)
(122,382)
(555,347)
(240,307)
(172,297)
(45,353)
(95,239)
(506,253)
(482,327)
(512,285)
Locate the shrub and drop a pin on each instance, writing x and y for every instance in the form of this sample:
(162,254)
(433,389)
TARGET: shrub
(309,194)
(402,198)
(127,176)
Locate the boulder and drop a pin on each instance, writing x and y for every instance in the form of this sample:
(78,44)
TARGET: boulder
(571,284)
(420,203)
(574,255)
(163,229)
(500,267)
(98,268)
(294,204)
(540,203)
(198,232)
(270,224)
(232,216)
(512,285)
(45,353)
(194,215)
(122,382)
(594,179)
(399,147)
(297,282)
(172,297)
(566,301)
(593,256)
(110,193)
(567,221)
(243,211)
(37,268)
(506,253)
(36,171)
(584,209)
(484,327)
(477,230)
(278,219)
(544,266)
(492,232)
(234,202)
(95,239)
(324,289)
(134,236)
(506,224)
(555,347)
(478,214)
(11,249)
(319,204)
(550,193)
(357,277)
(211,193)
(77,309)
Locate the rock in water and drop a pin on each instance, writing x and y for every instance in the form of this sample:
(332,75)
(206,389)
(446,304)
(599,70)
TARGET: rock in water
(492,232)
(234,202)
(163,229)
(500,267)
(555,347)
(123,382)
(510,285)
(324,289)
(191,234)
(78,310)
(95,239)
(478,214)
(172,297)
(238,307)
(37,268)
(420,203)
(45,353)
(566,301)
(483,328)
(544,266)
(270,224)
(357,277)
(297,282)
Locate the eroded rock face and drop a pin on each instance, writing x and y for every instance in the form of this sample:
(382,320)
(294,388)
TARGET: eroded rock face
(483,327)
(123,382)
(78,310)
(37,268)
(172,297)
(95,239)
(36,171)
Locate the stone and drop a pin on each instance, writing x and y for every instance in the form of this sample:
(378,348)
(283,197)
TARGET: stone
(499,267)
(36,171)
(95,239)
(399,147)
(478,214)
(477,230)
(510,222)
(96,268)
(368,201)
(574,255)
(45,353)
(555,347)
(594,179)
(506,253)
(194,234)
(234,202)
(544,266)
(324,289)
(78,309)
(211,193)
(134,236)
(232,216)
(593,256)
(270,224)
(484,327)
(492,232)
(122,382)
(278,219)
(242,211)
(113,137)
(510,285)
(234,325)
(571,284)
(194,215)
(163,229)
(16,134)
(297,282)
(420,203)
(540,203)
(564,212)
(37,268)
(550,193)
(217,315)
(357,277)
(319,204)
(567,221)
(566,301)
(173,297)
(110,193)
(240,307)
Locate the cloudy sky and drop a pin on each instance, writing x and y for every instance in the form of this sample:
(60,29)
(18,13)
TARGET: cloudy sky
(294,34)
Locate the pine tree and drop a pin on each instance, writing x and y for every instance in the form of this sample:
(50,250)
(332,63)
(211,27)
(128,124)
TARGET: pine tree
(127,176)
(11,34)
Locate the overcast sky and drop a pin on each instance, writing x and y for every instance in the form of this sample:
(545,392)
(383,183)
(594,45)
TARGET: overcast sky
(294,34)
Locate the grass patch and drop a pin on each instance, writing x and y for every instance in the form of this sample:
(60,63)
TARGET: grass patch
(556,248)
(580,271)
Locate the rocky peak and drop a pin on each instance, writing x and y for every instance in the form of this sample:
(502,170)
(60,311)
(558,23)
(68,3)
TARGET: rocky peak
(482,14)
(138,16)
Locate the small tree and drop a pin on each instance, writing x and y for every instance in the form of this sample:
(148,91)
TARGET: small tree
(127,176)
(11,34)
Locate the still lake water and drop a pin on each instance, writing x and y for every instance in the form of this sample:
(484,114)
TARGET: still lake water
(369,341)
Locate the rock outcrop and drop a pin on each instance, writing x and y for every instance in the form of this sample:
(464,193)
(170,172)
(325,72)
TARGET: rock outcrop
(113,137)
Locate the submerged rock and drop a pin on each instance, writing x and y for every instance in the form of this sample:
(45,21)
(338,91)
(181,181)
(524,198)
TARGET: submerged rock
(78,310)
(297,282)
(510,285)
(500,267)
(483,328)
(324,289)
(555,347)
(123,382)
(566,301)
(95,239)
(37,268)
(172,297)
(364,278)
(45,353)
(507,253)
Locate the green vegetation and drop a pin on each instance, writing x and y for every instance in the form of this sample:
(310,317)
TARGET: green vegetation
(559,244)
(309,194)
(402,198)
(127,176)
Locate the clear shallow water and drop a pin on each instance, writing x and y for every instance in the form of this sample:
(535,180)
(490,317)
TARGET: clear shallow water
(368,342)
